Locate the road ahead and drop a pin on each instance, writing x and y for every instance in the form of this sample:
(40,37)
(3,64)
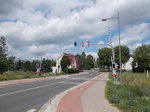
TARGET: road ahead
(27,96)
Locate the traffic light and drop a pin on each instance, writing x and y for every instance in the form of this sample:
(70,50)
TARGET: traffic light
(37,65)
(75,43)
(82,44)
(88,43)
(113,65)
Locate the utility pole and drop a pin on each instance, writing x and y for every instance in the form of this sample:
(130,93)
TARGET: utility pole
(119,48)
(118,18)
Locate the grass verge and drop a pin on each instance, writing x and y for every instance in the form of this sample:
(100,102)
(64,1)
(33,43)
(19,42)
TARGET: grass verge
(13,75)
(132,94)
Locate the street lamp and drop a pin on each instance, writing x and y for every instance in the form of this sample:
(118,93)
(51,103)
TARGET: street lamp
(118,18)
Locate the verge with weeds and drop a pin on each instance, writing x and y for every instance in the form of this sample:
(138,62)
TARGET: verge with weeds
(132,94)
(13,75)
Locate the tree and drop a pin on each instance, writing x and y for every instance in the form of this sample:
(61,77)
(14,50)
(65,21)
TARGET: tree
(46,65)
(3,58)
(27,66)
(3,64)
(19,65)
(141,56)
(83,61)
(33,65)
(89,62)
(53,62)
(11,63)
(65,62)
(3,47)
(104,58)
(125,54)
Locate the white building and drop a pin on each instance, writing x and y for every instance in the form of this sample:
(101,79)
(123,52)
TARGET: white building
(74,63)
(128,65)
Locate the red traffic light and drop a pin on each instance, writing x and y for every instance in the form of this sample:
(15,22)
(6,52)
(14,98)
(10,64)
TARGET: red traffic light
(113,75)
(82,44)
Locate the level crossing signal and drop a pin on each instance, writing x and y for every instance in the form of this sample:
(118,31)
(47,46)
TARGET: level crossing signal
(82,44)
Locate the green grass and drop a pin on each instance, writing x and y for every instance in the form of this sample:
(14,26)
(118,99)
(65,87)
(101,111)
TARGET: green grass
(132,94)
(13,75)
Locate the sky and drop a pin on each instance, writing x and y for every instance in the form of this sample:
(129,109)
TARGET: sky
(46,28)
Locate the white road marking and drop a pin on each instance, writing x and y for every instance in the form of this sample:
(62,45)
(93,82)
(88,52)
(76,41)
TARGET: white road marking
(70,83)
(41,86)
(31,110)
(31,88)
(28,89)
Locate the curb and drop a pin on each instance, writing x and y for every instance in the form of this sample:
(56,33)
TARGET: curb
(52,104)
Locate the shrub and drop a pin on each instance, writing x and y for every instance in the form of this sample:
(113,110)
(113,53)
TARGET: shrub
(71,70)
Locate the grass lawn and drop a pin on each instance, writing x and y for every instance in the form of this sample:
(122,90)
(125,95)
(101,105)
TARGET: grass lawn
(132,94)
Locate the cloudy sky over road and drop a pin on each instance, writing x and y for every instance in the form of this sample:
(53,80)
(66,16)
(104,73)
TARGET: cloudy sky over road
(35,28)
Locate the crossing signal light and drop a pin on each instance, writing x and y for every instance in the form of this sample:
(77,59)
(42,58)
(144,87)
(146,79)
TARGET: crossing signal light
(88,43)
(37,65)
(82,44)
(113,65)
(75,43)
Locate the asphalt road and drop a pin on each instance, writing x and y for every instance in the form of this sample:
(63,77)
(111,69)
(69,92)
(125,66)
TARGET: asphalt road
(31,96)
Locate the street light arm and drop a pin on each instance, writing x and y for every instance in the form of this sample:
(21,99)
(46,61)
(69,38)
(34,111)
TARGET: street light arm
(105,19)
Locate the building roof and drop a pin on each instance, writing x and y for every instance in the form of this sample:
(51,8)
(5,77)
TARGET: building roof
(71,57)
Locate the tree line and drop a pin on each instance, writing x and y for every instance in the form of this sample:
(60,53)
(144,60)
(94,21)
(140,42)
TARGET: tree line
(141,57)
(10,63)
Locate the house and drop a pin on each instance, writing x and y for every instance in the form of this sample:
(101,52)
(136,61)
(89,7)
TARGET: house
(74,62)
(128,65)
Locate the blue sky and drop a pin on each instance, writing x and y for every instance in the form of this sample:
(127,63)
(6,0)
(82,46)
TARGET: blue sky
(44,28)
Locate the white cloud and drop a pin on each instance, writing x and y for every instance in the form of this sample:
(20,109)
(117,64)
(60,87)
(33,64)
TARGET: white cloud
(133,35)
(51,56)
(94,54)
(101,42)
(34,26)
(147,42)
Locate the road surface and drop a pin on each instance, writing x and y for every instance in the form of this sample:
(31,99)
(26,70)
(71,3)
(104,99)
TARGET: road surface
(31,96)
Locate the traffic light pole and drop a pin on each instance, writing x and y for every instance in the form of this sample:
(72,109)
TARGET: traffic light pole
(112,57)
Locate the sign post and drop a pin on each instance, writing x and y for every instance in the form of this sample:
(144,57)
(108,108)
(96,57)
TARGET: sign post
(38,68)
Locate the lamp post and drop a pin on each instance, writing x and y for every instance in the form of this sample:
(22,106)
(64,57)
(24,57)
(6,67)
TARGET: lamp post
(118,18)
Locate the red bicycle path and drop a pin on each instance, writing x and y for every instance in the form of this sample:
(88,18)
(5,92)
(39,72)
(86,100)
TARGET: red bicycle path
(71,102)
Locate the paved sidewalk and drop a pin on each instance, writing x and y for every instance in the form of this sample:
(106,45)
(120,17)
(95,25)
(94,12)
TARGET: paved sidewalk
(93,99)
(88,97)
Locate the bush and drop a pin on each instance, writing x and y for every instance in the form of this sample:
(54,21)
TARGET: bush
(71,70)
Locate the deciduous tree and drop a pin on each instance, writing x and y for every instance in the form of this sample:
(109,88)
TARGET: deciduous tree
(141,57)
(65,62)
